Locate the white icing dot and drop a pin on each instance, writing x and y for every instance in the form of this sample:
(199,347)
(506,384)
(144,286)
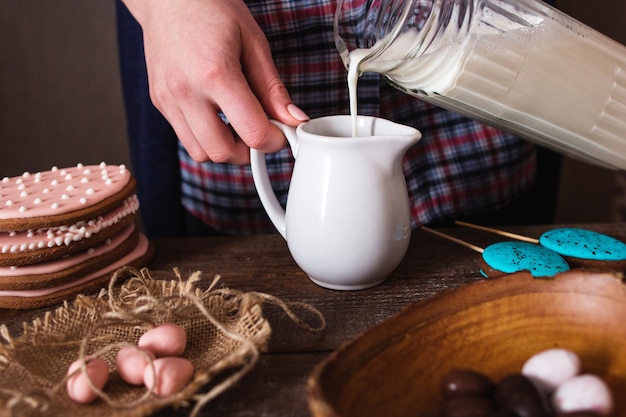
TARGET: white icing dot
(46,190)
(23,247)
(84,180)
(21,187)
(68,177)
(87,171)
(83,200)
(9,203)
(102,165)
(19,181)
(90,191)
(23,209)
(54,168)
(13,268)
(79,165)
(38,201)
(41,245)
(109,181)
(32,246)
(13,234)
(122,168)
(54,182)
(5,180)
(26,174)
(55,206)
(65,197)
(37,180)
(24,194)
(70,187)
(63,172)
(30,233)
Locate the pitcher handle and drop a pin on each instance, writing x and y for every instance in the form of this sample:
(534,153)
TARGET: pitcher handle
(262,182)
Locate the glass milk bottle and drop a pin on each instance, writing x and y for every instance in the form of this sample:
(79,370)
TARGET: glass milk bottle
(519,65)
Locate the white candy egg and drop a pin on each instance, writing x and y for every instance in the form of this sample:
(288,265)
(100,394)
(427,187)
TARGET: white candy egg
(583,393)
(551,368)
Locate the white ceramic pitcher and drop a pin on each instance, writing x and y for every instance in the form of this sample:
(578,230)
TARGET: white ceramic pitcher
(346,221)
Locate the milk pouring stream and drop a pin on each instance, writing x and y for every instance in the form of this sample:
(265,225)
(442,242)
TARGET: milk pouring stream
(519,65)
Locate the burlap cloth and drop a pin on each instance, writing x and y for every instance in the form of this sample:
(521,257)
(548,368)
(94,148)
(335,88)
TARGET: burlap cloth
(226,332)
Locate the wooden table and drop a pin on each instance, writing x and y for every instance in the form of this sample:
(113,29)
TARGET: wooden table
(277,385)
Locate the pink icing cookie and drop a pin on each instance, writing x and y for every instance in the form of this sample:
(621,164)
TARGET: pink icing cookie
(64,231)
(68,268)
(62,196)
(23,299)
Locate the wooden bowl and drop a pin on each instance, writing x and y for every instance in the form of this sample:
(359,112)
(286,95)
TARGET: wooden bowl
(493,326)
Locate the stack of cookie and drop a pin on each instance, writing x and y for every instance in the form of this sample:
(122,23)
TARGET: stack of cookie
(64,231)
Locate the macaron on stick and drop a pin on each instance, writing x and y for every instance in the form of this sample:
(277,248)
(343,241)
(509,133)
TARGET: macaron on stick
(513,256)
(580,247)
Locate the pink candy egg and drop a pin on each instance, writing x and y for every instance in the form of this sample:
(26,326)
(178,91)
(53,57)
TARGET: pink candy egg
(172,374)
(583,393)
(131,363)
(78,387)
(551,368)
(167,339)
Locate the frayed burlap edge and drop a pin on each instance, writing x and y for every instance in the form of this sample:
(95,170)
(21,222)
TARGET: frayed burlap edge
(230,322)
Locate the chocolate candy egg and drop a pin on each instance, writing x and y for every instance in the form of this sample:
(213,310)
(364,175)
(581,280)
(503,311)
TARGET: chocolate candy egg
(467,406)
(465,382)
(583,393)
(509,257)
(518,393)
(167,339)
(551,368)
(78,387)
(169,375)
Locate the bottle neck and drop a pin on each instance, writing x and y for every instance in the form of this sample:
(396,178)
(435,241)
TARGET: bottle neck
(390,33)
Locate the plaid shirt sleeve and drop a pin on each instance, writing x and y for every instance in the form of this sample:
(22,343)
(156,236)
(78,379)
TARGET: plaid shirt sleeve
(460,167)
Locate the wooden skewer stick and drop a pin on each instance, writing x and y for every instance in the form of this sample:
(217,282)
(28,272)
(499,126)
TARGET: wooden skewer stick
(499,232)
(453,239)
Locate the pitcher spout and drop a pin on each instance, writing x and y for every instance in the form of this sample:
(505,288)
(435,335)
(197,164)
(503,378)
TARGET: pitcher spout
(389,140)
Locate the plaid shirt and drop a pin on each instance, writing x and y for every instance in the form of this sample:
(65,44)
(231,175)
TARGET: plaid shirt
(460,167)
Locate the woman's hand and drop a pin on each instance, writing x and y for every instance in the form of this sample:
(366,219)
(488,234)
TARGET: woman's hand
(206,56)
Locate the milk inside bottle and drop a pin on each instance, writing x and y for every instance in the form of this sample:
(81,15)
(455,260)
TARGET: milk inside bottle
(519,65)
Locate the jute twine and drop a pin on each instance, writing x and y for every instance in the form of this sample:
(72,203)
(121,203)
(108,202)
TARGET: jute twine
(226,332)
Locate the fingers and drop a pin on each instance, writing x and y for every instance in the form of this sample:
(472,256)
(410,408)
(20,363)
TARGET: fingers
(264,80)
(205,136)
(246,114)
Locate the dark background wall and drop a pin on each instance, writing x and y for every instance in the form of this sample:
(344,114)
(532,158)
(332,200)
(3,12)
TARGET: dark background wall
(60,94)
